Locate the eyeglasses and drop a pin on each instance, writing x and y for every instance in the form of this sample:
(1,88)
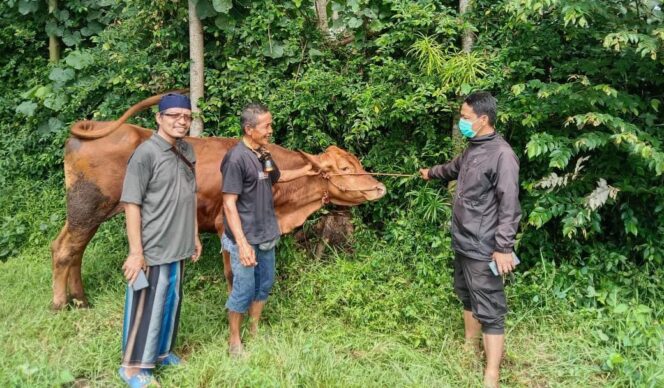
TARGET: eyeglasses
(178,116)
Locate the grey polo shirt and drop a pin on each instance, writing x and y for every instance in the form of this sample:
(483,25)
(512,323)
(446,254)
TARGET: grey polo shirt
(242,174)
(165,188)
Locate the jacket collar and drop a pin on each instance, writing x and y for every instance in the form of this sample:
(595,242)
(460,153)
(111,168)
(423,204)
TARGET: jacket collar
(483,139)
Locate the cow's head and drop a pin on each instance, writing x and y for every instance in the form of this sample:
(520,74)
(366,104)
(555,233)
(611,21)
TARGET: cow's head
(346,190)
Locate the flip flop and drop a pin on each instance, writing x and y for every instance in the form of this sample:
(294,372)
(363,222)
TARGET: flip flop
(139,380)
(170,360)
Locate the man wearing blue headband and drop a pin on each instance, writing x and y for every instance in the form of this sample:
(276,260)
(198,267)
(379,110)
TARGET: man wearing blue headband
(485,220)
(159,197)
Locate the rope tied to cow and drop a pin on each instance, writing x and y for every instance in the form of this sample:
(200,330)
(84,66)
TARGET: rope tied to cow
(328,178)
(376,174)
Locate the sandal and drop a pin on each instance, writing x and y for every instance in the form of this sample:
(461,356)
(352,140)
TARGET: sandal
(139,380)
(170,360)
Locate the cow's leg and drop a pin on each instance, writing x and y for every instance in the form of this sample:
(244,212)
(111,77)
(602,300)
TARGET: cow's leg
(75,281)
(228,271)
(60,271)
(87,208)
(66,254)
(226,256)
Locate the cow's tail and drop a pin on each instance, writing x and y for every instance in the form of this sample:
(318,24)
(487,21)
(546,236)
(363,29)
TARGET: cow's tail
(90,129)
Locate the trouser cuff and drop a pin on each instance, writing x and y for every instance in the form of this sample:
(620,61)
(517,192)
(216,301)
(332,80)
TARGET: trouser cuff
(493,330)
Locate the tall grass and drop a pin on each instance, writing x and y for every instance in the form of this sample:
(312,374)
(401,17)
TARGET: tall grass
(352,319)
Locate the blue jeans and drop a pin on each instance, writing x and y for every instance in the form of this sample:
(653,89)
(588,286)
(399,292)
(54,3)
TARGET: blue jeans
(249,283)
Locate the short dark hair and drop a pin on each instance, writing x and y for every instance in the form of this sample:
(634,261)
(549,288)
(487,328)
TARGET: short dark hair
(483,103)
(250,113)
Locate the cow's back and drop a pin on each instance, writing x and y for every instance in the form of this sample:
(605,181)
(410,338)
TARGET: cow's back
(209,153)
(94,172)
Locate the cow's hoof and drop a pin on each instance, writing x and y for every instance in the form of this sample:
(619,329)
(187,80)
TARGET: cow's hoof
(58,306)
(79,303)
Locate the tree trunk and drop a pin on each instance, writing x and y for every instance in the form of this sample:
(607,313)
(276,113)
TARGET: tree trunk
(321,12)
(196,68)
(468,38)
(467,41)
(53,42)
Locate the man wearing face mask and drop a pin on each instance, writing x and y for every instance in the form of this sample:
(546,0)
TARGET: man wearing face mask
(251,230)
(485,220)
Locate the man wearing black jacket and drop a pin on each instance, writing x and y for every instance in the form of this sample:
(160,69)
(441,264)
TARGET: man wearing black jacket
(485,220)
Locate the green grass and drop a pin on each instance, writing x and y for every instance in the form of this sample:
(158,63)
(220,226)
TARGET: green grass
(361,319)
(313,334)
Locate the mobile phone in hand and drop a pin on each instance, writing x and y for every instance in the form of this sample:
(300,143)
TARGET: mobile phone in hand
(494,269)
(141,281)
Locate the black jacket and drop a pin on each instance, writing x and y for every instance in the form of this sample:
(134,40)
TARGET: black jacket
(486,202)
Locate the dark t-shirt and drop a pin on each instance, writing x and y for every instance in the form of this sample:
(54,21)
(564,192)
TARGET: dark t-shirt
(242,174)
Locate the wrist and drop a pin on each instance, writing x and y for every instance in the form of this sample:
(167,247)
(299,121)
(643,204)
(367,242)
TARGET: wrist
(242,241)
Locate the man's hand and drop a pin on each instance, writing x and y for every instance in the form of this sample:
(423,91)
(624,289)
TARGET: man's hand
(504,262)
(135,262)
(198,249)
(247,254)
(424,172)
(289,175)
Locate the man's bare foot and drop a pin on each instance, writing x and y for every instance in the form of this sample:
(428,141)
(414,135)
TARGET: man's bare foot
(491,379)
(236,350)
(473,345)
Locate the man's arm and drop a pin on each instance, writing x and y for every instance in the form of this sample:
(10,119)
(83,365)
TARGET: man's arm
(247,254)
(135,260)
(134,187)
(447,172)
(198,247)
(232,172)
(290,175)
(509,210)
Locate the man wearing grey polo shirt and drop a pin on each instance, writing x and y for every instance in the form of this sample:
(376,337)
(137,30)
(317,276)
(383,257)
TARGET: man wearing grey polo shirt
(159,196)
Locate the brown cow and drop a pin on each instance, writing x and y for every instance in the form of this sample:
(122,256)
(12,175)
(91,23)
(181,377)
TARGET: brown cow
(95,161)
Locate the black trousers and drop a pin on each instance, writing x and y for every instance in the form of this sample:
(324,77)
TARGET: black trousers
(481,292)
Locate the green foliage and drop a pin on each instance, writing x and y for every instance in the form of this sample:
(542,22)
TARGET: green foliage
(585,100)
(31,211)
(75,22)
(383,314)
(429,54)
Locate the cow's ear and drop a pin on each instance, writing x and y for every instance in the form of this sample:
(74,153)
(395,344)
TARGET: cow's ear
(313,159)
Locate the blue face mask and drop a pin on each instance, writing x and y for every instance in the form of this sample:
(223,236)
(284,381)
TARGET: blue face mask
(466,128)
